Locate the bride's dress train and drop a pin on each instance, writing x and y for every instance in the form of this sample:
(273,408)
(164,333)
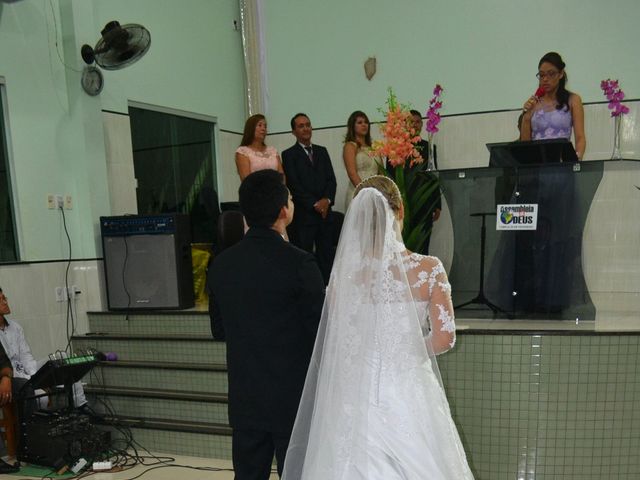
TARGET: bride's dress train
(373,406)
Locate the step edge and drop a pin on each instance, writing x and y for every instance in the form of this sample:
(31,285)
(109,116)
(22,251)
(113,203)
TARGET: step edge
(169,425)
(157,393)
(205,367)
(135,336)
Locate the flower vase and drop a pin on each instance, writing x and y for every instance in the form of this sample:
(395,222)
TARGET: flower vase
(431,163)
(617,123)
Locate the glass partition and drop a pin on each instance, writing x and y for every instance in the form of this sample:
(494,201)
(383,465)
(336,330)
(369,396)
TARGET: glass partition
(536,273)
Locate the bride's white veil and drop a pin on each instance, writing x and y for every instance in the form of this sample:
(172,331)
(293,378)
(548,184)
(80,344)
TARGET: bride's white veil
(370,332)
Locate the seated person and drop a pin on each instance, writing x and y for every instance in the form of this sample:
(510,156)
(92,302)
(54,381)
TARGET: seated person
(7,393)
(6,376)
(22,361)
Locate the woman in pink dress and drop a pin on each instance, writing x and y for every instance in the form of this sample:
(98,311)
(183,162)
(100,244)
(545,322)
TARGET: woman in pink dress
(253,154)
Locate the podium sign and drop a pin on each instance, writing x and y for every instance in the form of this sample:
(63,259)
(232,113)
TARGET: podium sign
(523,216)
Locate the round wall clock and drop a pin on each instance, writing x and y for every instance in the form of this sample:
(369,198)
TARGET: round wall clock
(92,81)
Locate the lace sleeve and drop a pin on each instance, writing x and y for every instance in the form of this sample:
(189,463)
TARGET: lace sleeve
(441,316)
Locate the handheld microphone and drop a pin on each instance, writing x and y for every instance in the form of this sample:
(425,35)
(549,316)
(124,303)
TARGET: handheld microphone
(538,95)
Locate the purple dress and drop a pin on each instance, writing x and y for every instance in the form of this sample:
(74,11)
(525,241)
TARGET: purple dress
(552,123)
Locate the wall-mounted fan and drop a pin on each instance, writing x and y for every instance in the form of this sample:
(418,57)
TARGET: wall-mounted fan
(120,46)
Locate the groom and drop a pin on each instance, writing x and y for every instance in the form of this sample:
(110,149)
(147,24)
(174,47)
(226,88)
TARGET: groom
(268,295)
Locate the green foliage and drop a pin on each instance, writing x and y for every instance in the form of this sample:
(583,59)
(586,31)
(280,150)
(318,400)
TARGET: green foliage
(418,195)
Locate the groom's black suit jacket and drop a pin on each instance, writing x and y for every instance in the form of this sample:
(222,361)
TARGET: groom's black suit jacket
(308,182)
(269,296)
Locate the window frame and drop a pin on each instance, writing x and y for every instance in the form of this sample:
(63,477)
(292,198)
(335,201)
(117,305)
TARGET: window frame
(218,184)
(5,143)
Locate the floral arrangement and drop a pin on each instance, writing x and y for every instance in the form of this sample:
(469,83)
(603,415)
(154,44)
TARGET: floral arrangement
(615,95)
(399,146)
(399,139)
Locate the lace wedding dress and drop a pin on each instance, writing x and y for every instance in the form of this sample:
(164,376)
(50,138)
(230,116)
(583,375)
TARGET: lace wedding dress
(373,405)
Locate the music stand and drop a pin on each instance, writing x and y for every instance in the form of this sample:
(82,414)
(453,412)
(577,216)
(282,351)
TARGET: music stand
(531,152)
(480,298)
(62,371)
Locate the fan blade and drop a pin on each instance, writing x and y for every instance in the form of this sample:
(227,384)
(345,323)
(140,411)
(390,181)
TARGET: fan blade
(121,46)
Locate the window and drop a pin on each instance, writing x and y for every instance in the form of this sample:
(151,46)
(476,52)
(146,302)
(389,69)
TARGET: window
(8,244)
(174,163)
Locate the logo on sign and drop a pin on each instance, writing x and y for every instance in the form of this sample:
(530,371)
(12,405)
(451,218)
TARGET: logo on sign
(517,217)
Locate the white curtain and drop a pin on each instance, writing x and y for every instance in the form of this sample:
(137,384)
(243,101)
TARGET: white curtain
(253,49)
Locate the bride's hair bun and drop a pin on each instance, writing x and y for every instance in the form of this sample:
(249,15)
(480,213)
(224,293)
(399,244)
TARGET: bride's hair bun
(384,185)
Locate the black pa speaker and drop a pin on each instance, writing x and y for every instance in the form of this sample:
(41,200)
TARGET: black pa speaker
(147,261)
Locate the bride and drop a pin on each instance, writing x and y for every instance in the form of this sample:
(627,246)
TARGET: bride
(373,405)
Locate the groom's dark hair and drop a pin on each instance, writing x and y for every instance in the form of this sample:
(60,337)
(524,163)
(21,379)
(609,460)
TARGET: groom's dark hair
(262,195)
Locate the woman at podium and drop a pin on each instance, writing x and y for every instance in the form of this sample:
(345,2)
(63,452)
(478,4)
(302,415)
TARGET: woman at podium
(553,111)
(537,273)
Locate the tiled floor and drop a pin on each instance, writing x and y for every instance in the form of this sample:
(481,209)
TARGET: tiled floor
(171,471)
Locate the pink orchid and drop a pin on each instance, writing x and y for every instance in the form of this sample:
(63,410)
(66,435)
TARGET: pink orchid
(615,95)
(433,117)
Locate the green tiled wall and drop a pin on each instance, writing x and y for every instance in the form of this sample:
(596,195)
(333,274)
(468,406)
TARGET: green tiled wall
(150,324)
(547,406)
(528,406)
(182,443)
(156,378)
(164,409)
(159,350)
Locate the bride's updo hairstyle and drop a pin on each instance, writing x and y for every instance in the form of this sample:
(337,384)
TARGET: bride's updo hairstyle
(387,187)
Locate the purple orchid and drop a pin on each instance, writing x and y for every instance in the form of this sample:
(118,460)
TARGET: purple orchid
(615,95)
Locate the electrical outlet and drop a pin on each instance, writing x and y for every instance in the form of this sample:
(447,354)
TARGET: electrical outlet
(68,203)
(60,294)
(51,201)
(59,201)
(74,291)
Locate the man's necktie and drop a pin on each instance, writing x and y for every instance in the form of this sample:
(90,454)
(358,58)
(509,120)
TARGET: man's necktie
(310,153)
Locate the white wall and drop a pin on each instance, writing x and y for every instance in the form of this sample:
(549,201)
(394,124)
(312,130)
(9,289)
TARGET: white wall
(30,289)
(61,143)
(56,135)
(462,139)
(484,53)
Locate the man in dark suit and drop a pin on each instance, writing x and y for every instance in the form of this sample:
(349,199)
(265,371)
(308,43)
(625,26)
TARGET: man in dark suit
(312,183)
(430,212)
(269,296)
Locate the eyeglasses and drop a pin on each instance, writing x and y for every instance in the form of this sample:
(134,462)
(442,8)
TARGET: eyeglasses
(552,74)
